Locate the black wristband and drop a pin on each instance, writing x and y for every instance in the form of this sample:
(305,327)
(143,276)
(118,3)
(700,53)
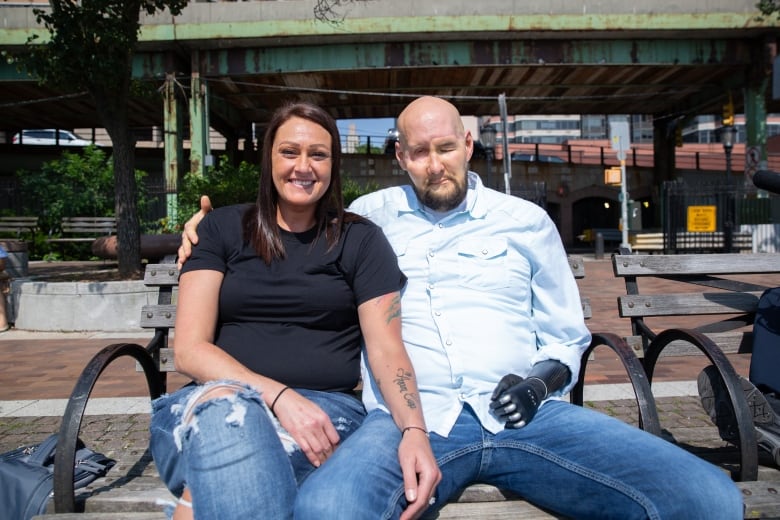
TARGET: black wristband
(414,428)
(277,398)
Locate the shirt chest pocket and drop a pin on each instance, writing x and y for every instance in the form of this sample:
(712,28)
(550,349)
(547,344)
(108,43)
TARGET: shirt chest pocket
(483,263)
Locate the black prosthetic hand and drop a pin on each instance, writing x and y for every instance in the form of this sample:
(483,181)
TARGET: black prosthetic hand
(516,400)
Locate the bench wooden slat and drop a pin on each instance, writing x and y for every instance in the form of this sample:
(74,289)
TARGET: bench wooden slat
(729,343)
(684,304)
(157,316)
(18,225)
(74,229)
(713,264)
(159,275)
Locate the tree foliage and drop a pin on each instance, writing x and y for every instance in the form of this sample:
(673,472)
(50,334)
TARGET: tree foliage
(91,46)
(769,7)
(78,184)
(228,184)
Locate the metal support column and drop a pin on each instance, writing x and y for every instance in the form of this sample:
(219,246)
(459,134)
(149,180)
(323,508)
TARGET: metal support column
(199,126)
(172,128)
(755,130)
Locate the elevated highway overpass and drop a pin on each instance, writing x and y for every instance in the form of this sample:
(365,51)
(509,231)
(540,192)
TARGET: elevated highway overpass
(232,63)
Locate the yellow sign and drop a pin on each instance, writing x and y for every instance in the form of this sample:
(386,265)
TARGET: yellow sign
(702,218)
(612,175)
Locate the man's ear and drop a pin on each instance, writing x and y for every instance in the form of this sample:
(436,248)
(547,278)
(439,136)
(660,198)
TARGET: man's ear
(399,155)
(469,145)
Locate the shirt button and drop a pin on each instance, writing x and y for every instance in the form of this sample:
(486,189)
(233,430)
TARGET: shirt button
(431,253)
(441,225)
(430,286)
(484,251)
(462,397)
(437,313)
(448,342)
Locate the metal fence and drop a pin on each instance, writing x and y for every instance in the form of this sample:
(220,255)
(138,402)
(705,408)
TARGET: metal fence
(727,213)
(535,192)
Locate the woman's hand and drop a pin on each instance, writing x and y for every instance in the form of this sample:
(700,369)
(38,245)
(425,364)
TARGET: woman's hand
(420,470)
(309,426)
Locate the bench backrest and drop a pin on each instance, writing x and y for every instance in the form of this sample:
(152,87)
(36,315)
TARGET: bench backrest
(718,286)
(162,316)
(18,226)
(89,225)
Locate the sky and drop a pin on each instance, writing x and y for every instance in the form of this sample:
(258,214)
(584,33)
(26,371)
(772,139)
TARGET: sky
(376,128)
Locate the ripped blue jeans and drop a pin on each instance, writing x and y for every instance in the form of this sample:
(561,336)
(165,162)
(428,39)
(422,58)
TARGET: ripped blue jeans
(231,452)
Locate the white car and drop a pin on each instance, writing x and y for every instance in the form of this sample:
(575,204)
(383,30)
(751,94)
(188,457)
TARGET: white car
(49,137)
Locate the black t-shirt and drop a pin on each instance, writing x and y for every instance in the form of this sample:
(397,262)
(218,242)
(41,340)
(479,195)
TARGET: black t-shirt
(296,319)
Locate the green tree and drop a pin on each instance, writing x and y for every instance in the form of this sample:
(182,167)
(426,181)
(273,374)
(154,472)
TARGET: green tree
(224,183)
(768,7)
(91,47)
(78,184)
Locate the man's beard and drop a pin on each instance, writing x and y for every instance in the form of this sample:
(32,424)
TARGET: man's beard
(443,200)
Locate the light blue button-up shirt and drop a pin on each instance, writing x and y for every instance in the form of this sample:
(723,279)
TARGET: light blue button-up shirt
(489,292)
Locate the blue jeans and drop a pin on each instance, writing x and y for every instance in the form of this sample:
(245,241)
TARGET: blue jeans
(571,460)
(231,453)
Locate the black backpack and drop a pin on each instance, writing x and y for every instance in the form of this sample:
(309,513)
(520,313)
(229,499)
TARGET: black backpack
(27,476)
(765,360)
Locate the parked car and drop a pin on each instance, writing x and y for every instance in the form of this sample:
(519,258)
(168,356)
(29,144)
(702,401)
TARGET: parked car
(49,137)
(529,157)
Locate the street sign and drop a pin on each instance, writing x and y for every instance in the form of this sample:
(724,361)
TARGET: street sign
(612,176)
(702,219)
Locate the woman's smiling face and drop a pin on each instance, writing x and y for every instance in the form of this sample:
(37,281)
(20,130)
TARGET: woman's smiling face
(301,163)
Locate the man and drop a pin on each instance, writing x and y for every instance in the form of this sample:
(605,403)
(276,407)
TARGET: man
(493,325)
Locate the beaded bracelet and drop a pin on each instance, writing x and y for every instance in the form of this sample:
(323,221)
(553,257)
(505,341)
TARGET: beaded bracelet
(277,398)
(415,428)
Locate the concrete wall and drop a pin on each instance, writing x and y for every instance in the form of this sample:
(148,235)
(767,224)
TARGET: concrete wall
(78,306)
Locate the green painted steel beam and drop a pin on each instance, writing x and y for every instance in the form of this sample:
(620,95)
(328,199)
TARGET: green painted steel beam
(425,26)
(265,60)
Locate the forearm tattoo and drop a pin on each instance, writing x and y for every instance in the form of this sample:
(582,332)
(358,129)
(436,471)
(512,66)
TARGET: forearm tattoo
(402,377)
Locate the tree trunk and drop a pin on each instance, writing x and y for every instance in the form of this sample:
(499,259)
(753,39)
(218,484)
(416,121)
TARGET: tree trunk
(114,117)
(126,203)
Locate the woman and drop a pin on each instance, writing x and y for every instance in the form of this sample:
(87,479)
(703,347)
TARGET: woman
(274,305)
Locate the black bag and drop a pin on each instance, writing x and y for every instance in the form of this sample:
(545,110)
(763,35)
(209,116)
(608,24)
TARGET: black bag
(765,360)
(27,476)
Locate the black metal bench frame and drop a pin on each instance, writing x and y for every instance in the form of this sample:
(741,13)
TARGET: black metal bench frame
(733,301)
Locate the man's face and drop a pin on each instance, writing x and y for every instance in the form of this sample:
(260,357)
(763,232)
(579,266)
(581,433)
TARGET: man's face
(434,149)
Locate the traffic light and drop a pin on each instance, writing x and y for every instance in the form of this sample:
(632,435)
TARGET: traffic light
(728,113)
(678,138)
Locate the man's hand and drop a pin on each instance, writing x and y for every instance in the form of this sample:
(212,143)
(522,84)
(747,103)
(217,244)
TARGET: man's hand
(189,237)
(421,473)
(516,400)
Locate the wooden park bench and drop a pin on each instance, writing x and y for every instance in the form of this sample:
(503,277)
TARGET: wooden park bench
(136,496)
(720,289)
(19,228)
(84,229)
(741,241)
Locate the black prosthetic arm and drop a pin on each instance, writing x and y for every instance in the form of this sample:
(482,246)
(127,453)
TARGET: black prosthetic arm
(516,400)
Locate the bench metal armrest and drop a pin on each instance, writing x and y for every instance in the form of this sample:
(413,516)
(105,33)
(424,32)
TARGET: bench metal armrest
(648,414)
(64,458)
(748,444)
